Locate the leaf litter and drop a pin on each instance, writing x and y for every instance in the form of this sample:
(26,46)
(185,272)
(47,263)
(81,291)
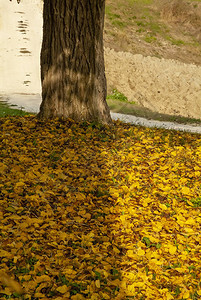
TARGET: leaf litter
(95,212)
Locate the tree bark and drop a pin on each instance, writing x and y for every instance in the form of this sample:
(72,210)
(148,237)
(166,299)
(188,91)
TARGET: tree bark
(72,61)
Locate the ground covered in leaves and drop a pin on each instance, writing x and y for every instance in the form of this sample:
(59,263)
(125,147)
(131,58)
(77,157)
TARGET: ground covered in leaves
(92,212)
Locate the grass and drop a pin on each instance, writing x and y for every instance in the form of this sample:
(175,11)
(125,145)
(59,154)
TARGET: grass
(148,24)
(11,110)
(150,38)
(125,107)
(140,2)
(174,41)
(177,42)
(114,18)
(196,202)
(116,95)
(144,22)
(132,21)
(143,18)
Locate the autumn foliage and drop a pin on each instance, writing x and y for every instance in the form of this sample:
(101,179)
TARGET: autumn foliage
(95,212)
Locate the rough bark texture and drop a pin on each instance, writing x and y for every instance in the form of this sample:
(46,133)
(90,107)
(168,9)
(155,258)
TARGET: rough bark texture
(72,61)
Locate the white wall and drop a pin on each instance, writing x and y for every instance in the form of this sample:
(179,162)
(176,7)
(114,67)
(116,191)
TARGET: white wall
(20,43)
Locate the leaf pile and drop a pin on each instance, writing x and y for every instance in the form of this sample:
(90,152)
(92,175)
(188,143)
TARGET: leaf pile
(92,212)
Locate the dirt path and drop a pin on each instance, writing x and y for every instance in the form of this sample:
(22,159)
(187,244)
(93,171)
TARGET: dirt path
(162,85)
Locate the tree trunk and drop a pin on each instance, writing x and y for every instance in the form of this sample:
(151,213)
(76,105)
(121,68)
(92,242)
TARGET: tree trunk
(72,61)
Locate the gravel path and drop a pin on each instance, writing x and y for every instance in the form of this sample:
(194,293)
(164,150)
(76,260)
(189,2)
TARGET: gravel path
(158,124)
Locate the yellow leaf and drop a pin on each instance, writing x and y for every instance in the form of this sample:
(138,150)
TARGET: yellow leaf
(169,296)
(2,168)
(141,252)
(157,227)
(131,289)
(66,296)
(15,259)
(63,235)
(116,250)
(174,153)
(115,282)
(26,277)
(19,184)
(6,254)
(79,220)
(11,283)
(172,249)
(80,196)
(62,289)
(23,225)
(41,286)
(123,218)
(163,206)
(190,221)
(186,295)
(115,195)
(70,271)
(106,274)
(7,291)
(77,297)
(138,284)
(38,295)
(189,230)
(97,283)
(87,216)
(185,190)
(181,220)
(130,253)
(42,278)
(105,296)
(94,296)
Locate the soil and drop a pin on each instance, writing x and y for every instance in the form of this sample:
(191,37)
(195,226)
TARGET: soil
(163,86)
